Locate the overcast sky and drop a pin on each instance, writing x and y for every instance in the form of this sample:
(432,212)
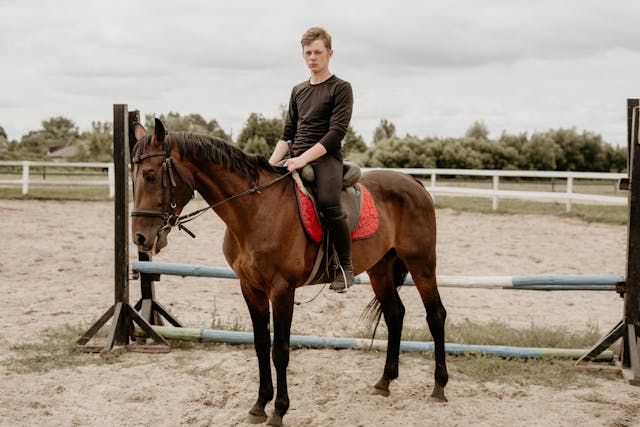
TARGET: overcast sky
(432,68)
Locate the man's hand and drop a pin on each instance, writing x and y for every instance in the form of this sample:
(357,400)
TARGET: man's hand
(308,156)
(295,163)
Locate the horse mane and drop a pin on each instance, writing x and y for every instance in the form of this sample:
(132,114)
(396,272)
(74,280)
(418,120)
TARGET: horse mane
(199,147)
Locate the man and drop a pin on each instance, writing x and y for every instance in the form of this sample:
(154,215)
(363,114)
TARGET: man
(317,120)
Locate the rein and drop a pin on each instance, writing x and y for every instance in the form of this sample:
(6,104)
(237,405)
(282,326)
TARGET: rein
(168,179)
(195,214)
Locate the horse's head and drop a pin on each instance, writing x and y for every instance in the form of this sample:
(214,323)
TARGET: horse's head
(161,188)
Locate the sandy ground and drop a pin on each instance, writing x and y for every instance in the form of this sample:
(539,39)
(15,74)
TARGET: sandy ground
(56,269)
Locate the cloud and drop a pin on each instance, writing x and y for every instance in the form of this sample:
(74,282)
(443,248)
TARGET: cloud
(431,67)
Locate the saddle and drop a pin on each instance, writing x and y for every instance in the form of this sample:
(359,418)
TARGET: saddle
(362,216)
(351,197)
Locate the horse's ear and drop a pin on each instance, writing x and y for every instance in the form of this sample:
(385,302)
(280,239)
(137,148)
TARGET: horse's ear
(139,131)
(159,131)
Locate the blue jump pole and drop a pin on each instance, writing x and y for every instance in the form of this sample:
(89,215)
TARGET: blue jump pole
(542,282)
(304,341)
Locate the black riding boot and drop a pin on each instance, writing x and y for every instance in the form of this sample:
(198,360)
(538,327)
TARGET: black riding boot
(340,235)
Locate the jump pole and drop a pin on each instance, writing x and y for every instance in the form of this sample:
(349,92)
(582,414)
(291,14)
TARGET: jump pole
(123,315)
(305,341)
(541,282)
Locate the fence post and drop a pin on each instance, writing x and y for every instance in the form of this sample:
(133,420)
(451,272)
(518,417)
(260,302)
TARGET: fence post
(496,185)
(569,192)
(112,181)
(433,186)
(25,177)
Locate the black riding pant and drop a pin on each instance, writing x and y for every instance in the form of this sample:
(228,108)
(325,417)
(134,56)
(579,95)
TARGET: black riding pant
(328,179)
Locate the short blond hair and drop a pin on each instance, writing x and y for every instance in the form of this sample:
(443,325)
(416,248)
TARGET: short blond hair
(316,33)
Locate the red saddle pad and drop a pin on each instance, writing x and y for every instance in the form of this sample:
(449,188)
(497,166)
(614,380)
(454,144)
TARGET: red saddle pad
(367,225)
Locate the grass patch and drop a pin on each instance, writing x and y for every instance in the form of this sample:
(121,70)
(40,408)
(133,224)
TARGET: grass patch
(50,192)
(55,350)
(499,333)
(555,373)
(547,372)
(237,323)
(591,213)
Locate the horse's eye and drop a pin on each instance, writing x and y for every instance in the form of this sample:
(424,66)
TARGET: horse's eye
(149,177)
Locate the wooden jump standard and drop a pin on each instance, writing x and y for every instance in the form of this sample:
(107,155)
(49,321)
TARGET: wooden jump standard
(629,327)
(123,314)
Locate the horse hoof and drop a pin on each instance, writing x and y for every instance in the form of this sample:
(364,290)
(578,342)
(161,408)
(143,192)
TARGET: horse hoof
(257,416)
(438,394)
(275,420)
(381,392)
(256,419)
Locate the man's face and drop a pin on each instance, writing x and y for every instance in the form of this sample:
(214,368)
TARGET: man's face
(317,56)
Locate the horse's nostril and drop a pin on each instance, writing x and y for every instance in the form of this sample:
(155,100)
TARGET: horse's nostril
(140,239)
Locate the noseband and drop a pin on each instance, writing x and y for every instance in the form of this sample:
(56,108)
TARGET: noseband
(168,180)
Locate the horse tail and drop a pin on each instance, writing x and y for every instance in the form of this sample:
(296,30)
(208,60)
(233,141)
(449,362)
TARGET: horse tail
(372,313)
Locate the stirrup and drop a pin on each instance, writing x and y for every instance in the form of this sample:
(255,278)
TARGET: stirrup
(341,282)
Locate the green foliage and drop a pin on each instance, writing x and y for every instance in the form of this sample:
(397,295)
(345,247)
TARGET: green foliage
(258,145)
(193,123)
(554,149)
(55,131)
(404,153)
(59,129)
(3,134)
(560,149)
(478,130)
(101,142)
(353,143)
(81,154)
(257,126)
(385,130)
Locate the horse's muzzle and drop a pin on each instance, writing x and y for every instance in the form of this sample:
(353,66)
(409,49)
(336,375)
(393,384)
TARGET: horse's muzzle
(150,243)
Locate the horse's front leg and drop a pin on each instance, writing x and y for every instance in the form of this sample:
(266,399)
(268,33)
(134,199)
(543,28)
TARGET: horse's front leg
(282,297)
(258,305)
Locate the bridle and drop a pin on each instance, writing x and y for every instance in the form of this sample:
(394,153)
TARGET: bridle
(168,179)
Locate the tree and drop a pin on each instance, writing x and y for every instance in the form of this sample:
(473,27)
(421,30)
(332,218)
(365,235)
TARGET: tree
(478,130)
(353,143)
(100,142)
(60,129)
(408,152)
(542,153)
(193,123)
(55,131)
(81,154)
(385,130)
(3,134)
(257,126)
(258,145)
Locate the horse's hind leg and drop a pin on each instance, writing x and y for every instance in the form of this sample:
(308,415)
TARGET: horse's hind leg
(382,282)
(258,305)
(423,274)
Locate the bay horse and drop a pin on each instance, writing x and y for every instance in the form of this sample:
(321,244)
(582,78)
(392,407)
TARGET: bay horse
(267,248)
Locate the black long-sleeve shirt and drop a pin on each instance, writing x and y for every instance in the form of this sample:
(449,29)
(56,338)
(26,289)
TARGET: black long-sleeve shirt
(319,113)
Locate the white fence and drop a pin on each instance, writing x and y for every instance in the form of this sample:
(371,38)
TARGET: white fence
(28,179)
(495,193)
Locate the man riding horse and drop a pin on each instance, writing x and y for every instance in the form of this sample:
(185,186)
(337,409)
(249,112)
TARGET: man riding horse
(317,120)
